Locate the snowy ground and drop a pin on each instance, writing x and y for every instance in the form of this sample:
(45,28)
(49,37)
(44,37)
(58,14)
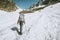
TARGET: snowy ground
(40,25)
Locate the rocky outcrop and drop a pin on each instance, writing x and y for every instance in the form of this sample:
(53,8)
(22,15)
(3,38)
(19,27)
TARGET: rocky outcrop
(7,5)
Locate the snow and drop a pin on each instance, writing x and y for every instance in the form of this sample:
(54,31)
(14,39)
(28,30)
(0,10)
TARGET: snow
(7,20)
(40,25)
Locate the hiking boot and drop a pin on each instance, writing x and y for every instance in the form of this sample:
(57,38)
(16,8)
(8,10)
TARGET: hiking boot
(20,33)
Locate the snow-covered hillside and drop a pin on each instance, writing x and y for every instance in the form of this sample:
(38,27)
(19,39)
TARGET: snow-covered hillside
(7,21)
(40,25)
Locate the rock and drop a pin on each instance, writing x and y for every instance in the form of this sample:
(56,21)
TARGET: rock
(7,5)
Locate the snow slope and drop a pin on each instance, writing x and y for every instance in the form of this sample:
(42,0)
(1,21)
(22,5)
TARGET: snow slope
(7,21)
(40,25)
(46,25)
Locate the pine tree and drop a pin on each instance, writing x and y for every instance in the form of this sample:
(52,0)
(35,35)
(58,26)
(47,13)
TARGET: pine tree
(50,1)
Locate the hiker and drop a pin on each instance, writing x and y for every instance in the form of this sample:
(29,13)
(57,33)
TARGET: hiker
(21,21)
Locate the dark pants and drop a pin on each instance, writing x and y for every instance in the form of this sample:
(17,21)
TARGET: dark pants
(21,25)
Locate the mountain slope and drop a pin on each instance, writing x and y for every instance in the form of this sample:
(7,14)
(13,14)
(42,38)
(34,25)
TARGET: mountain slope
(40,25)
(7,5)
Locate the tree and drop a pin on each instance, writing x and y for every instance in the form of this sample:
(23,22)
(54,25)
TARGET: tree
(50,1)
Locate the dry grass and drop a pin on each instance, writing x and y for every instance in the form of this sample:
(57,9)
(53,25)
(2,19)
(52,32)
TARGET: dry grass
(31,11)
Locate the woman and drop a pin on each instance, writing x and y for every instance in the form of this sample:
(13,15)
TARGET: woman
(21,21)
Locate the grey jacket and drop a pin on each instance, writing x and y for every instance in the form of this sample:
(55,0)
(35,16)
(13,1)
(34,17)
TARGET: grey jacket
(21,18)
